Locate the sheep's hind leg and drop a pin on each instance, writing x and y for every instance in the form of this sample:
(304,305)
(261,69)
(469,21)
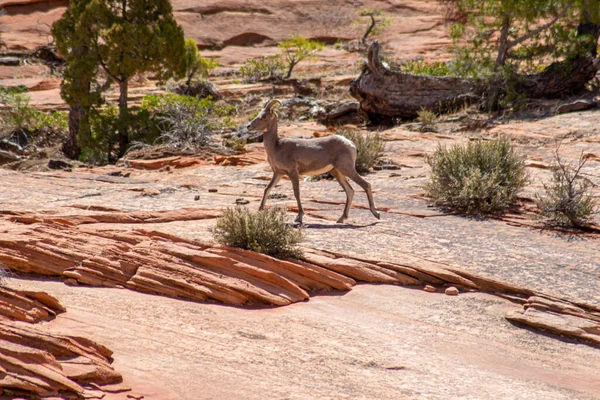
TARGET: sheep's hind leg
(341,178)
(296,185)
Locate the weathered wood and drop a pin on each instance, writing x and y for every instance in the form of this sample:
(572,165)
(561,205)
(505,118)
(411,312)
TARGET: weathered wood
(385,94)
(560,78)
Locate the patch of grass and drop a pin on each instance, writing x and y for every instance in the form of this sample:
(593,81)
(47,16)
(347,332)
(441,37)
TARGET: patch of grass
(264,231)
(370,148)
(567,200)
(481,177)
(420,67)
(427,118)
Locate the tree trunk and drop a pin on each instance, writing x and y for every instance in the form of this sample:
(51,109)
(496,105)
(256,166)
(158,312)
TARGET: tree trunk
(123,137)
(385,95)
(289,71)
(503,46)
(70,146)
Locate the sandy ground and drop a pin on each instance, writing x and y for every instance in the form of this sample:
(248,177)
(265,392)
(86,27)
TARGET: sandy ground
(375,342)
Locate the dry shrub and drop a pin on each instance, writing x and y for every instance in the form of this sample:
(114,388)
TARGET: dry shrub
(265,232)
(427,118)
(567,201)
(369,148)
(483,176)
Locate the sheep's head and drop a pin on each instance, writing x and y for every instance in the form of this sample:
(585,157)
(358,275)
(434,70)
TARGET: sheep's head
(264,119)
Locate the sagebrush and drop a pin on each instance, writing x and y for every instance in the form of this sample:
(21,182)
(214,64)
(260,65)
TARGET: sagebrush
(369,148)
(265,231)
(481,177)
(567,200)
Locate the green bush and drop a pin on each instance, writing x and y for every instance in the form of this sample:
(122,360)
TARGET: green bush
(99,147)
(477,178)
(265,232)
(257,69)
(369,148)
(18,116)
(567,200)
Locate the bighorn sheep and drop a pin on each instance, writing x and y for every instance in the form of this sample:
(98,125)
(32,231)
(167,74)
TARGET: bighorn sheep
(294,157)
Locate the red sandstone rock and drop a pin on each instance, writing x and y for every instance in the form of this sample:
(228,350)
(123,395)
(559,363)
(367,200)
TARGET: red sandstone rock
(451,291)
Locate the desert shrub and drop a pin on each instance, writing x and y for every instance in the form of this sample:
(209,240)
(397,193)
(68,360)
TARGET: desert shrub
(420,67)
(483,176)
(296,49)
(17,115)
(257,69)
(369,148)
(264,231)
(185,122)
(567,200)
(19,118)
(236,144)
(427,118)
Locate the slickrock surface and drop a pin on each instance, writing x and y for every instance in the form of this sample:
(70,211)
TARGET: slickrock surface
(34,362)
(374,342)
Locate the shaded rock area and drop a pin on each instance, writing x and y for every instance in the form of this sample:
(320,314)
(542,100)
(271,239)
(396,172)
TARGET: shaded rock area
(27,306)
(36,363)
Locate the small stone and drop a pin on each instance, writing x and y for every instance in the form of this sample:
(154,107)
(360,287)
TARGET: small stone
(212,190)
(197,197)
(127,175)
(579,105)
(71,282)
(115,173)
(150,192)
(241,202)
(451,291)
(135,396)
(430,289)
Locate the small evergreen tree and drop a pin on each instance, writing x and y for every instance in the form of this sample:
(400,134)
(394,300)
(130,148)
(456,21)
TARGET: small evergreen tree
(125,38)
(79,75)
(196,65)
(375,26)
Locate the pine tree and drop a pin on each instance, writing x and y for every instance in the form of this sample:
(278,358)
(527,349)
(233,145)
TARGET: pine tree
(123,38)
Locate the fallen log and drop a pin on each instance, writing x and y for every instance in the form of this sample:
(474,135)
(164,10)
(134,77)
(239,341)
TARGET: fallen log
(385,95)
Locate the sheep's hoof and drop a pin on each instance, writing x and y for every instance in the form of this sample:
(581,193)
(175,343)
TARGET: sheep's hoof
(341,220)
(299,219)
(376,214)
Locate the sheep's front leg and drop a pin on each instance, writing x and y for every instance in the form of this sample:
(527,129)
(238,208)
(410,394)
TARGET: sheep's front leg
(296,185)
(274,181)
